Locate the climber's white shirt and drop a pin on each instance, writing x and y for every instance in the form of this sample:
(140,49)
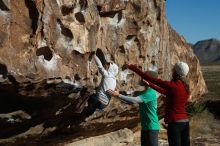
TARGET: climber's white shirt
(108,76)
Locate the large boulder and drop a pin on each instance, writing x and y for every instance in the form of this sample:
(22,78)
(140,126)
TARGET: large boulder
(45,61)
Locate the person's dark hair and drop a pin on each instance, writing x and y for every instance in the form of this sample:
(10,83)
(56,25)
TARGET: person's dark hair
(183,79)
(185,83)
(152,73)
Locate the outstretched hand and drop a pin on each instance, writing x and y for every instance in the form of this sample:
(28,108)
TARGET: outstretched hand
(160,70)
(146,82)
(92,53)
(113,93)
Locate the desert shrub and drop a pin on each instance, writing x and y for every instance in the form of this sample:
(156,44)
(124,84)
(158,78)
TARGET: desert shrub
(204,125)
(196,108)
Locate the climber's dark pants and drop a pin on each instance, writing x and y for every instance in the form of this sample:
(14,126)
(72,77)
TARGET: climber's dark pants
(178,134)
(149,137)
(93,104)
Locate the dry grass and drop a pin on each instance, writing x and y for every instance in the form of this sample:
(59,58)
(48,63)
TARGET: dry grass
(204,125)
(204,128)
(211,75)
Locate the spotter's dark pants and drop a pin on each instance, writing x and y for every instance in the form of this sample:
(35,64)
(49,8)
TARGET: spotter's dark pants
(149,137)
(178,134)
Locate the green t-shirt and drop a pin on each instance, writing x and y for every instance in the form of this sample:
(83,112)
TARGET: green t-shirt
(148,110)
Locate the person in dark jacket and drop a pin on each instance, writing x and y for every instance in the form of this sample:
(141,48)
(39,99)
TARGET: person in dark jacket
(177,94)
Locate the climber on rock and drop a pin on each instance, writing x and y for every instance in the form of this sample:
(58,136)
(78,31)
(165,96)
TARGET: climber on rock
(147,100)
(109,71)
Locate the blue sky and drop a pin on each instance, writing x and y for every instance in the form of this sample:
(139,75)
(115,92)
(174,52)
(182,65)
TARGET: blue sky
(194,19)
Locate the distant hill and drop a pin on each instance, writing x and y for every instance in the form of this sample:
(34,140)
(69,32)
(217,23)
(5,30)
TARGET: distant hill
(207,51)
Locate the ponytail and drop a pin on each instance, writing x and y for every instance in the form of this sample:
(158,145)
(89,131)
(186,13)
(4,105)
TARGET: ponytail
(185,83)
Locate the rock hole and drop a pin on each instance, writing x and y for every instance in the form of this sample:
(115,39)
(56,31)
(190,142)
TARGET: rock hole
(109,14)
(136,7)
(155,3)
(85,79)
(3,70)
(67,77)
(101,29)
(129,37)
(83,4)
(142,56)
(149,23)
(58,78)
(77,53)
(12,79)
(46,52)
(65,10)
(123,67)
(3,6)
(112,58)
(119,16)
(159,17)
(77,77)
(65,31)
(95,80)
(137,42)
(80,17)
(99,8)
(33,14)
(135,23)
(122,49)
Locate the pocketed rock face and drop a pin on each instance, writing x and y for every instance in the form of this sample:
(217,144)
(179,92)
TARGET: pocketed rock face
(45,53)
